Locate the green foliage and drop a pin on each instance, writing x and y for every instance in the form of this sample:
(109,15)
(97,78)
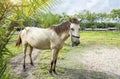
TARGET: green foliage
(46,19)
(99,20)
(13,14)
(99,25)
(115,13)
(6,74)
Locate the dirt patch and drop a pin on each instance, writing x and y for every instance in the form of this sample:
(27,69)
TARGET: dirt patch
(103,59)
(17,65)
(83,62)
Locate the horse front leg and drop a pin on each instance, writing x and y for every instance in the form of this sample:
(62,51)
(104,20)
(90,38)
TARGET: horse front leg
(54,65)
(53,60)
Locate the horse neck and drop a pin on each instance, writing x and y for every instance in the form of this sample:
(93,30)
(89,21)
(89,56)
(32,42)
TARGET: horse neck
(62,30)
(64,35)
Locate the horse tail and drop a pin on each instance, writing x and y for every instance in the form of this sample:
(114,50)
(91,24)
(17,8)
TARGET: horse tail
(19,41)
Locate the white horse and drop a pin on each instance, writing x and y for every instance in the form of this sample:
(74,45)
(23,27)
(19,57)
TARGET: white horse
(51,38)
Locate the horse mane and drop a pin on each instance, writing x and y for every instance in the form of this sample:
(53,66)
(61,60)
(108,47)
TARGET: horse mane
(64,26)
(61,28)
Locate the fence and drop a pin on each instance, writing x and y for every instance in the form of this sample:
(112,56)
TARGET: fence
(101,29)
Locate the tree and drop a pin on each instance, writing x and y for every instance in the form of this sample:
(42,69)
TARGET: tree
(13,14)
(115,14)
(101,16)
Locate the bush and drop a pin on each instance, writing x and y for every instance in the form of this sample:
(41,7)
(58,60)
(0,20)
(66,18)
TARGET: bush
(99,25)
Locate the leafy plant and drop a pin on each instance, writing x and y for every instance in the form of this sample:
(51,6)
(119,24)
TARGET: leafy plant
(13,14)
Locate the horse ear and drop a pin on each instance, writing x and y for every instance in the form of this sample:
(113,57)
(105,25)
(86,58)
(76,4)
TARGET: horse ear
(75,20)
(70,20)
(79,20)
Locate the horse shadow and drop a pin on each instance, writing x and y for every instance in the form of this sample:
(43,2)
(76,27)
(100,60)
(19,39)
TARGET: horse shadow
(85,74)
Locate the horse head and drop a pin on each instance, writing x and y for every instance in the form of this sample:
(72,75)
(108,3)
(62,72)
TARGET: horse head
(75,31)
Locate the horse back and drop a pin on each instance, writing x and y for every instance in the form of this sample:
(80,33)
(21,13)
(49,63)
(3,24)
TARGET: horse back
(40,38)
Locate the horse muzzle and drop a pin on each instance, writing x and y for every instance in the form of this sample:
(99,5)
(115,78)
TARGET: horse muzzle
(76,43)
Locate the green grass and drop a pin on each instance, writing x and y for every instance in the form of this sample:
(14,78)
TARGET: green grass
(43,73)
(47,55)
(109,38)
(11,46)
(14,50)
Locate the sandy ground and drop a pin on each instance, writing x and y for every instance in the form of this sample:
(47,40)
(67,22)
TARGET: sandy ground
(17,65)
(94,62)
(103,59)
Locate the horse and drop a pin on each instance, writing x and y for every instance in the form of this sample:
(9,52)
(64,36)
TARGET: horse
(49,38)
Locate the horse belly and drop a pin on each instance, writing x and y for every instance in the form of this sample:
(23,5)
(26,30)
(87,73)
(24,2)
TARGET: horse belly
(38,38)
(41,44)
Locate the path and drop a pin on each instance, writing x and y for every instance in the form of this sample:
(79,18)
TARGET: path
(94,62)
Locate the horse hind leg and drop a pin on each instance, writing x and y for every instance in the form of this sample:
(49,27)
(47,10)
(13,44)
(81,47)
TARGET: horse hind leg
(30,55)
(24,51)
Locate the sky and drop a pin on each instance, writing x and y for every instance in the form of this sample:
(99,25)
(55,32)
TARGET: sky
(72,7)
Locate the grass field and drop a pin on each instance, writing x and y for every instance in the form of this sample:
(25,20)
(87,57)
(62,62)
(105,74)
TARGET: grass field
(108,38)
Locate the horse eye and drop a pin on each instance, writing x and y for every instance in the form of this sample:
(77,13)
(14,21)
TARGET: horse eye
(72,29)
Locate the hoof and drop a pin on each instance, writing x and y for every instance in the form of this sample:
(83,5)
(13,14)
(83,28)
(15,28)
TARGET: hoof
(23,66)
(55,72)
(50,72)
(24,70)
(32,63)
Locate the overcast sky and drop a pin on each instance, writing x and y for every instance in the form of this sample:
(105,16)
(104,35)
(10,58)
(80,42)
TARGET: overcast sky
(75,6)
